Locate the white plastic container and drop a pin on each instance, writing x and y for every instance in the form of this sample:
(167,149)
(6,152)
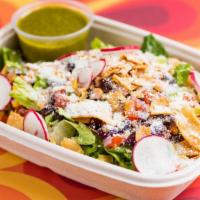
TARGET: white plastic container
(104,176)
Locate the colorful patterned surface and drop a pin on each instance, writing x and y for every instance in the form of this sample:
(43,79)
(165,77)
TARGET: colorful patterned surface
(177,19)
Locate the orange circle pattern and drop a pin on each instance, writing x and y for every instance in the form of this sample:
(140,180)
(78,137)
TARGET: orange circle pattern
(177,19)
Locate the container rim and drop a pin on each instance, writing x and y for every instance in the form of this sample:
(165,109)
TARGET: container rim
(23,11)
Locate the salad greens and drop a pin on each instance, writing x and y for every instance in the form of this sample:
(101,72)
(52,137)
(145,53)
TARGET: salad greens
(84,135)
(10,59)
(24,94)
(181,74)
(61,125)
(62,129)
(40,83)
(99,44)
(150,44)
(95,149)
(122,156)
(91,143)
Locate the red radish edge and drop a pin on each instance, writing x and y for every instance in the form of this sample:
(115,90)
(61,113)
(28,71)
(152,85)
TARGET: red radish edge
(66,56)
(91,73)
(135,146)
(9,100)
(129,47)
(194,79)
(40,121)
(100,71)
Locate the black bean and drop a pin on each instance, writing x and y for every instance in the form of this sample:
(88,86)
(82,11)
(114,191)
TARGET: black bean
(95,124)
(165,78)
(106,85)
(176,138)
(130,141)
(70,66)
(47,110)
(57,116)
(172,81)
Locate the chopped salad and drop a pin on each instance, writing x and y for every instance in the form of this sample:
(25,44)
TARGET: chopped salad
(135,107)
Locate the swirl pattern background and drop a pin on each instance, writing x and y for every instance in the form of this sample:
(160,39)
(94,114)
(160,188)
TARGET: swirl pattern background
(177,19)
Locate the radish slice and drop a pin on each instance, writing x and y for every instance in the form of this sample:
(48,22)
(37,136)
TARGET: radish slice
(121,48)
(107,141)
(97,67)
(154,155)
(5,89)
(35,124)
(66,56)
(195,80)
(85,77)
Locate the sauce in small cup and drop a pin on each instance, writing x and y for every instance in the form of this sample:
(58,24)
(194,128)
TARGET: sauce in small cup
(48,29)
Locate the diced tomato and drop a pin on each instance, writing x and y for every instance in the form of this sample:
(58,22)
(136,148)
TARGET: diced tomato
(133,116)
(147,98)
(116,141)
(138,106)
(188,98)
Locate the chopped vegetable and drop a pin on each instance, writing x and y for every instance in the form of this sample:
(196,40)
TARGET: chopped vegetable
(105,158)
(150,44)
(194,78)
(181,74)
(70,143)
(99,44)
(85,135)
(5,88)
(35,125)
(10,59)
(122,156)
(24,94)
(154,155)
(197,110)
(40,83)
(16,120)
(61,130)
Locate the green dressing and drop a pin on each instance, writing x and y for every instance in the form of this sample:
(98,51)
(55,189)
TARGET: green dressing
(52,20)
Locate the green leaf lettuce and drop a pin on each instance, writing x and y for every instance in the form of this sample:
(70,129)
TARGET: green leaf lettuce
(181,73)
(150,44)
(24,94)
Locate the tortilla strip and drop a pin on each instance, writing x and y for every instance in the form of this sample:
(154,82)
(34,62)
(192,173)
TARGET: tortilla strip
(189,126)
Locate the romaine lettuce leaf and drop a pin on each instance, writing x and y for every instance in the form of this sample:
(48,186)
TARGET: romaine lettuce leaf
(64,114)
(95,149)
(61,130)
(24,94)
(122,156)
(40,83)
(10,59)
(150,44)
(99,44)
(85,135)
(181,73)
(50,120)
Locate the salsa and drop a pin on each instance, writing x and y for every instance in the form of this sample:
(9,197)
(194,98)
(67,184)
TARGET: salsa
(50,21)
